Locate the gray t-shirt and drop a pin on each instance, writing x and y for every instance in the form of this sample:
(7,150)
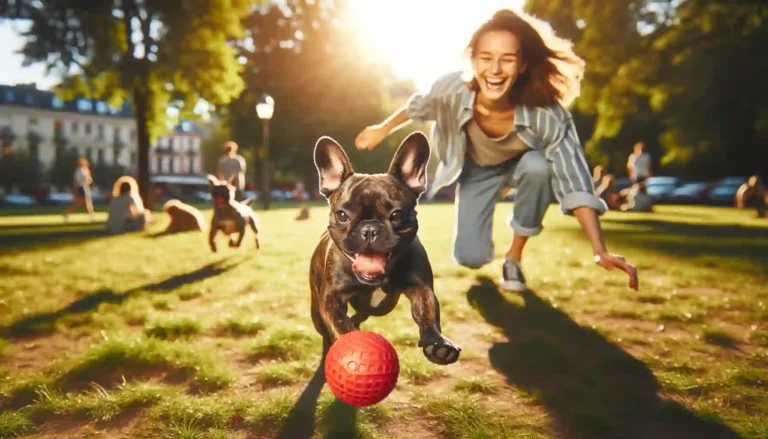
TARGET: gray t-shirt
(233,166)
(641,164)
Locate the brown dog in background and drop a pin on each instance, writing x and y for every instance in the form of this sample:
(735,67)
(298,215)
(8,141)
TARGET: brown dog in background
(184,218)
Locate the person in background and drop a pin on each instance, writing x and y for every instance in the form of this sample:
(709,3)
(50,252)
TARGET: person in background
(81,189)
(753,194)
(301,196)
(125,213)
(597,175)
(639,164)
(607,191)
(638,199)
(231,168)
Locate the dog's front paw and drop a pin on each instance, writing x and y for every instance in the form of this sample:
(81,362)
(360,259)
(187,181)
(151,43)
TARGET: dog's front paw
(213,248)
(440,350)
(258,246)
(232,243)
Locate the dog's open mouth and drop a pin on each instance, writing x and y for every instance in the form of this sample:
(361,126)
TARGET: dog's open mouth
(370,267)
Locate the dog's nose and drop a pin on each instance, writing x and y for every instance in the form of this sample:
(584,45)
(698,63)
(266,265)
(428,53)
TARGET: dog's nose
(370,232)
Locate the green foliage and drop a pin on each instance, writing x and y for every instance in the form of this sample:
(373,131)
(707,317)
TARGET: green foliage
(19,169)
(673,74)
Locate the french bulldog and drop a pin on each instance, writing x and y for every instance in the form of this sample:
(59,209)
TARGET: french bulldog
(230,216)
(370,254)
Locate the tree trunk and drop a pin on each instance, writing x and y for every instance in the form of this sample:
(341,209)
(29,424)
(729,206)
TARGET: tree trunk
(141,105)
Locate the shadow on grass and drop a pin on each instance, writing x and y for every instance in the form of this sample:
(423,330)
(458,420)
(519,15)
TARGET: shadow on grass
(45,322)
(590,387)
(736,247)
(37,236)
(339,420)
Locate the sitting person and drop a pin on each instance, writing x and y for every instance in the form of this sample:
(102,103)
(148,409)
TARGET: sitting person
(752,195)
(124,214)
(638,199)
(607,191)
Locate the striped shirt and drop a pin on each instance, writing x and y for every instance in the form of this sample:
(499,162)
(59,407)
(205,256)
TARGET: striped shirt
(550,130)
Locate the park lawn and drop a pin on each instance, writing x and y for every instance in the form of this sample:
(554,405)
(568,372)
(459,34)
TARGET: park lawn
(154,336)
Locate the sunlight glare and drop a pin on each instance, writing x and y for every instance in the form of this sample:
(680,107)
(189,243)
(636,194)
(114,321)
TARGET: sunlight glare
(422,39)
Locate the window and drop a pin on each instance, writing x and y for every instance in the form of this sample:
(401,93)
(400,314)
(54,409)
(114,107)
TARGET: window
(192,165)
(134,159)
(117,133)
(170,143)
(159,165)
(29,99)
(58,129)
(84,105)
(57,103)
(75,127)
(172,165)
(9,96)
(101,107)
(100,155)
(89,154)
(133,135)
(100,131)
(87,128)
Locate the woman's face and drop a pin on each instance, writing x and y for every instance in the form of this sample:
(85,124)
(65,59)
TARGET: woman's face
(497,63)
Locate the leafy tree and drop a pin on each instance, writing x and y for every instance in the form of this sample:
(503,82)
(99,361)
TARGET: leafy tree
(19,169)
(685,77)
(307,57)
(155,53)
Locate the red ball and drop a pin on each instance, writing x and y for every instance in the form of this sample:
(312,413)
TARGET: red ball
(361,368)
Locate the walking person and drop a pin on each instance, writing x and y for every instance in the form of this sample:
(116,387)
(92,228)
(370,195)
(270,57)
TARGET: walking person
(81,189)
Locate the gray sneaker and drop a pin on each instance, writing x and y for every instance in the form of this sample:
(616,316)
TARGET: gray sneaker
(512,278)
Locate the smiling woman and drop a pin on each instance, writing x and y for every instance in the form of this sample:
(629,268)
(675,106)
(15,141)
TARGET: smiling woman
(507,123)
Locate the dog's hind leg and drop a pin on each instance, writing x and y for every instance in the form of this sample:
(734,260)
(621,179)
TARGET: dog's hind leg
(255,228)
(211,237)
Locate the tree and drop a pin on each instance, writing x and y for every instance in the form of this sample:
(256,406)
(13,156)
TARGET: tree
(306,56)
(155,53)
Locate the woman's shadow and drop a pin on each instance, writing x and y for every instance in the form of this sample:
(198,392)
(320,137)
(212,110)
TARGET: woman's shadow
(590,387)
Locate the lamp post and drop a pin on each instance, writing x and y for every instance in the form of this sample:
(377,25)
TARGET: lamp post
(265,109)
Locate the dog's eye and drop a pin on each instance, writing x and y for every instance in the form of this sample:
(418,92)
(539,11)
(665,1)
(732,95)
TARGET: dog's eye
(396,216)
(342,216)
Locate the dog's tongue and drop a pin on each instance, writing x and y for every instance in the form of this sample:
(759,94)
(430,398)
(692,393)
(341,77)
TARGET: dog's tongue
(371,264)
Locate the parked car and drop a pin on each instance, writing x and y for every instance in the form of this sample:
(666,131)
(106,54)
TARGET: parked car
(59,197)
(661,187)
(19,200)
(689,193)
(723,192)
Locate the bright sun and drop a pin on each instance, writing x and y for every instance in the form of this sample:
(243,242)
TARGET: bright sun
(422,39)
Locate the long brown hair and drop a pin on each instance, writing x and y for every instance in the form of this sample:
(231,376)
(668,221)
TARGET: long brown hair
(554,72)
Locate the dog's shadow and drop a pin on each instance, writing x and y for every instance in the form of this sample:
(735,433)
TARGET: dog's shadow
(590,386)
(338,421)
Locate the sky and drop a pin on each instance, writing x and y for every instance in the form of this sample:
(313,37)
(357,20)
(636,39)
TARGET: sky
(422,39)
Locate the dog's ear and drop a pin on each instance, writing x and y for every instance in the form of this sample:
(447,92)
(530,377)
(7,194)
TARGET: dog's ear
(212,181)
(409,165)
(333,165)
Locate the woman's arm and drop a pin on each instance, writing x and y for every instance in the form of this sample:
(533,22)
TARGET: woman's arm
(371,136)
(574,189)
(591,224)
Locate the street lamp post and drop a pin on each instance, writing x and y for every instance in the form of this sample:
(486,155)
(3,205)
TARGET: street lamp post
(265,109)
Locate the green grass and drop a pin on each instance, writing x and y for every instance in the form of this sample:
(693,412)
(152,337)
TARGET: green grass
(160,336)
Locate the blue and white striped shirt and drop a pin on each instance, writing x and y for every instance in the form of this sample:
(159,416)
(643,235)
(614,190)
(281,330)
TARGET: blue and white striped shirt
(550,130)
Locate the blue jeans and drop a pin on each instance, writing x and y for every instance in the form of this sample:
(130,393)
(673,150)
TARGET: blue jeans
(476,196)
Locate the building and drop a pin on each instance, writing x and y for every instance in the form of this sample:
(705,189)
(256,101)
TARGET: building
(38,122)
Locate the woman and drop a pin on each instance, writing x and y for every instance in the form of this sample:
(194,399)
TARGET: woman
(508,124)
(126,211)
(81,189)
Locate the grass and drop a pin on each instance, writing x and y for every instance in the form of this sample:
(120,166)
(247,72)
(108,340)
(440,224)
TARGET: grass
(161,337)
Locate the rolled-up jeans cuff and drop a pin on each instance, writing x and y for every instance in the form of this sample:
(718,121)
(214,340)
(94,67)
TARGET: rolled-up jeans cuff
(523,231)
(580,199)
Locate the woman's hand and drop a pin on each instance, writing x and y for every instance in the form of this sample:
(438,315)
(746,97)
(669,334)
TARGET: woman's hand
(370,137)
(609,262)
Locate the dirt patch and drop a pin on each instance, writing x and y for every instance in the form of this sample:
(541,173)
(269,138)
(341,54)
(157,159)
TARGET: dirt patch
(30,355)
